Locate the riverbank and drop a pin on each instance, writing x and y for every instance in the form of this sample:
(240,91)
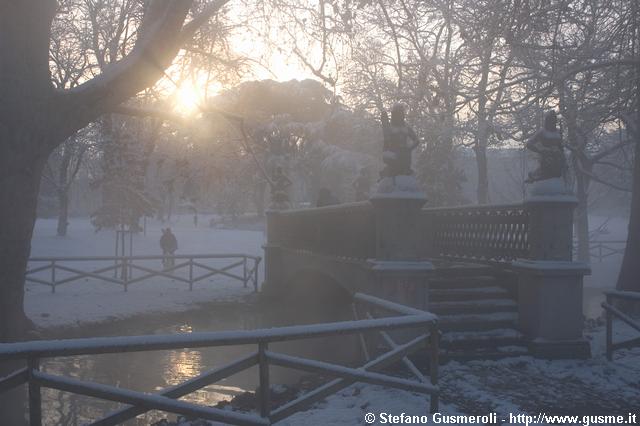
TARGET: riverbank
(90,301)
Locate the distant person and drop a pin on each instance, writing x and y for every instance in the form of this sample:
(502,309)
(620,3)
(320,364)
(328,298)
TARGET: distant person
(169,245)
(326,198)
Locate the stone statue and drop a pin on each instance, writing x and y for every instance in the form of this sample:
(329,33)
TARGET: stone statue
(547,143)
(399,141)
(279,184)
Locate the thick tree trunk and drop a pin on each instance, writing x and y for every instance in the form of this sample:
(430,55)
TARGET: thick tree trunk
(582,219)
(18,198)
(629,278)
(27,100)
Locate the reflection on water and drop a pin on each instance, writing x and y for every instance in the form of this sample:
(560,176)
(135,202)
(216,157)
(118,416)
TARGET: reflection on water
(154,371)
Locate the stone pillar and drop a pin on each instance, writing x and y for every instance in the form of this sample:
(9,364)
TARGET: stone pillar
(273,266)
(401,272)
(549,282)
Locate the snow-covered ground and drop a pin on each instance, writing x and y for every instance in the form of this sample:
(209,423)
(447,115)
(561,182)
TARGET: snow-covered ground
(87,301)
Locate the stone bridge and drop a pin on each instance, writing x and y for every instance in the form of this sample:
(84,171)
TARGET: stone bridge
(501,277)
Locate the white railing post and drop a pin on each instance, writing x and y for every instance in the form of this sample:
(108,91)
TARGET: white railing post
(434,360)
(53,276)
(244,271)
(265,387)
(190,274)
(35,399)
(256,264)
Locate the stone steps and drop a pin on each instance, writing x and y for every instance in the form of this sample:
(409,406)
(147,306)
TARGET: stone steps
(478,319)
(484,354)
(467,294)
(473,306)
(460,282)
(469,340)
(478,322)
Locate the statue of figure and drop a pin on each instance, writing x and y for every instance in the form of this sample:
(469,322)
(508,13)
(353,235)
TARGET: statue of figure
(547,143)
(399,141)
(362,185)
(279,184)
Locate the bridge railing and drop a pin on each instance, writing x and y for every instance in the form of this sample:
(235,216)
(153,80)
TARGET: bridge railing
(496,233)
(612,312)
(167,400)
(125,271)
(602,249)
(345,230)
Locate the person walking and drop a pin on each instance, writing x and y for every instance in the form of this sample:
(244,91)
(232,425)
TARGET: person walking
(169,245)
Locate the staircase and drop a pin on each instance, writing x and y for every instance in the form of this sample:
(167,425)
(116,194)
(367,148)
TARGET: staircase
(478,318)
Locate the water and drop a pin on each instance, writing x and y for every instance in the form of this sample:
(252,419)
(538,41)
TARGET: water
(155,370)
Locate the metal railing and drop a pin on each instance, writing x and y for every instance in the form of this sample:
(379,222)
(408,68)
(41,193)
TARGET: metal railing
(601,249)
(128,270)
(166,400)
(493,233)
(611,311)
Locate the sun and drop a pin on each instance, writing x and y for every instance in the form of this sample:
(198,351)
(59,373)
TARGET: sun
(188,99)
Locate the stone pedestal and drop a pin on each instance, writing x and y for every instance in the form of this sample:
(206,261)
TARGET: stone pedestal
(549,282)
(550,307)
(273,267)
(401,273)
(397,204)
(550,205)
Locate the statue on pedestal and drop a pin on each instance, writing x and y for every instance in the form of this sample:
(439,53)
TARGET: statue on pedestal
(279,184)
(547,143)
(399,141)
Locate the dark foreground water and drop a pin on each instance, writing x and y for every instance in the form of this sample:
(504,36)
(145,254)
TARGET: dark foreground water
(153,371)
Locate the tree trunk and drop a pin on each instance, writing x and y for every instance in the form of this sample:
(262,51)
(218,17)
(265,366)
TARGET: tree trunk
(19,194)
(629,278)
(582,219)
(63,212)
(483,175)
(258,196)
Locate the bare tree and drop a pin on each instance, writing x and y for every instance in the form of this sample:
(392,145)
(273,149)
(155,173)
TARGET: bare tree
(36,117)
(61,171)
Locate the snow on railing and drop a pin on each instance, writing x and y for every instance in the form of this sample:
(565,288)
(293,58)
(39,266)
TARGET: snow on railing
(405,319)
(612,311)
(127,270)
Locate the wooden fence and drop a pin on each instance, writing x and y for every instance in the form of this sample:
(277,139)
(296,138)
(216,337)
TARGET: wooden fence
(167,400)
(127,270)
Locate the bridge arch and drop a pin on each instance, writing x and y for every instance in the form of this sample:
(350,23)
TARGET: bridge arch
(316,295)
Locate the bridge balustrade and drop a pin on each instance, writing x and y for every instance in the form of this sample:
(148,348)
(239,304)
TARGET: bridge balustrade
(494,233)
(346,230)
